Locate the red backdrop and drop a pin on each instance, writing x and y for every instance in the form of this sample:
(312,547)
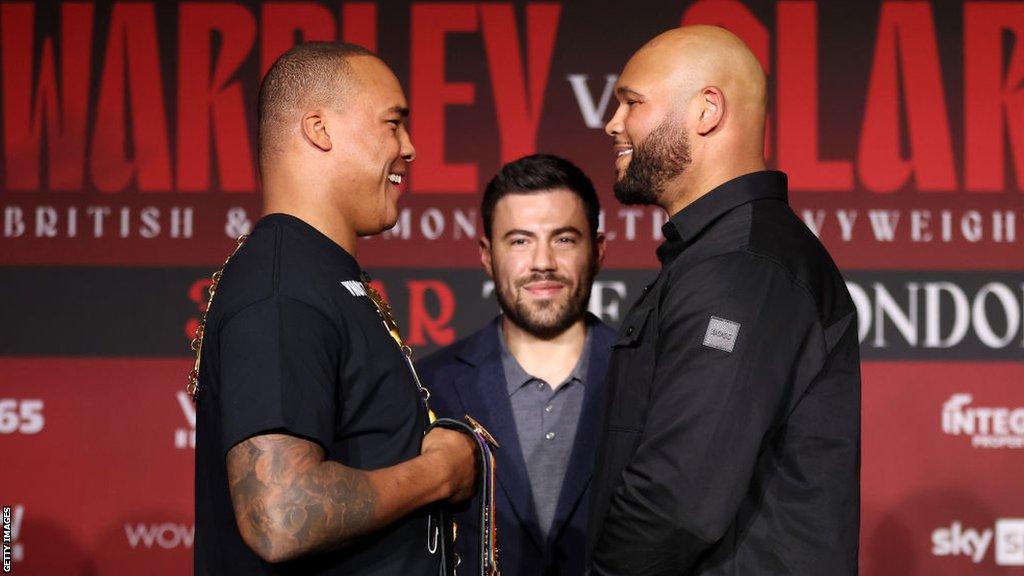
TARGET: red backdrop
(127,157)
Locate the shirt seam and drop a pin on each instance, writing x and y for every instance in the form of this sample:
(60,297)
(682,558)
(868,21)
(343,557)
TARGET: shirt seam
(276,294)
(818,323)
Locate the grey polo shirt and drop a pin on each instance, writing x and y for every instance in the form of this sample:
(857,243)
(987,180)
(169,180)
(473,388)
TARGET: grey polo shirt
(546,422)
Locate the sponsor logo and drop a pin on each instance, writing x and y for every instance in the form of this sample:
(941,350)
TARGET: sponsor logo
(721,334)
(959,541)
(1010,542)
(165,535)
(186,437)
(1007,538)
(988,427)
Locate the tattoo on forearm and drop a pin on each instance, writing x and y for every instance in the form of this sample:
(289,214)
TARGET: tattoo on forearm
(279,487)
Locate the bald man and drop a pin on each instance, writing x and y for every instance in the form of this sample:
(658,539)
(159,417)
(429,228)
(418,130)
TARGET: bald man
(731,441)
(310,455)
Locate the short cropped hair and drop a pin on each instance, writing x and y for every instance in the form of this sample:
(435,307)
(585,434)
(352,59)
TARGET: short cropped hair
(307,76)
(540,173)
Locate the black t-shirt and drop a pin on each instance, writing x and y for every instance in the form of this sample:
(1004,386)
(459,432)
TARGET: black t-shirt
(293,345)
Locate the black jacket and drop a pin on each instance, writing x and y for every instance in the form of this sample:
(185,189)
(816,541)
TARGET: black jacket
(467,378)
(731,440)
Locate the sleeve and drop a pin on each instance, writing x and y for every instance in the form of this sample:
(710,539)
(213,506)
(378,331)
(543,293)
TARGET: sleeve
(736,335)
(279,362)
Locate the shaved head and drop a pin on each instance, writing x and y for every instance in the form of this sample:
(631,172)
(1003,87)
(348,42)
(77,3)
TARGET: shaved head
(694,57)
(308,76)
(691,116)
(333,144)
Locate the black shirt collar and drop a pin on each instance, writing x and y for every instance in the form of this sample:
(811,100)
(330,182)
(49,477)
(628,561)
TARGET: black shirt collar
(689,222)
(326,248)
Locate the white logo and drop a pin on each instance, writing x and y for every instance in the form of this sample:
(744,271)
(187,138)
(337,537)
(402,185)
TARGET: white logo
(959,541)
(956,541)
(354,287)
(12,550)
(721,334)
(166,535)
(186,437)
(1010,541)
(987,427)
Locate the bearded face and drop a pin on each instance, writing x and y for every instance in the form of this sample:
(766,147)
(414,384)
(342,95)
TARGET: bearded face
(663,155)
(543,258)
(545,304)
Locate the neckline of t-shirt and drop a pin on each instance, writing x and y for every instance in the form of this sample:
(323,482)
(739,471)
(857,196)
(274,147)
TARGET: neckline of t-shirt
(310,231)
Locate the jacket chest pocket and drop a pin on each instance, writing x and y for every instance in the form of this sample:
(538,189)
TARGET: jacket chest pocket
(631,371)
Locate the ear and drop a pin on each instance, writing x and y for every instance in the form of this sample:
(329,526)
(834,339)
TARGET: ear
(599,250)
(485,256)
(712,109)
(314,130)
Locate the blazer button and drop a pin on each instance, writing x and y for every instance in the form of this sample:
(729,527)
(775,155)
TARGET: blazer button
(629,331)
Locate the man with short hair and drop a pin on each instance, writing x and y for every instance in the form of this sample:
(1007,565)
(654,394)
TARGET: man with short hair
(310,455)
(534,375)
(731,440)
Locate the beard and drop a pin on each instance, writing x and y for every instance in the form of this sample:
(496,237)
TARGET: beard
(545,319)
(662,156)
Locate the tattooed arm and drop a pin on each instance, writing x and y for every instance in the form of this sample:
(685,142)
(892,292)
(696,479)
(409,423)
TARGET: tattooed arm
(290,501)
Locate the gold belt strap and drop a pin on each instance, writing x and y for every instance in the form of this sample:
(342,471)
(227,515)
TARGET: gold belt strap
(192,388)
(488,553)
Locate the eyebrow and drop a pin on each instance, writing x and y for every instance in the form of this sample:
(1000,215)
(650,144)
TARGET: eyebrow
(555,232)
(626,91)
(400,110)
(518,232)
(564,229)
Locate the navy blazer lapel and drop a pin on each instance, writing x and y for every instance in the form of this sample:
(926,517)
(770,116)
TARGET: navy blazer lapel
(581,461)
(484,393)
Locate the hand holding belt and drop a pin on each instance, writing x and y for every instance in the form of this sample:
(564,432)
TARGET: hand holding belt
(487,555)
(445,534)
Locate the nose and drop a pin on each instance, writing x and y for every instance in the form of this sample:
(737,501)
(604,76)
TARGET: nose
(614,126)
(408,151)
(543,260)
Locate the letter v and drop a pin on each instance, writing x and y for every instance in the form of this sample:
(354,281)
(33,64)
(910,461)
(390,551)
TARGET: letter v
(593,116)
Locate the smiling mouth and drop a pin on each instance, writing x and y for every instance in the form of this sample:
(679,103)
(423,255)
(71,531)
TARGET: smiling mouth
(543,288)
(395,179)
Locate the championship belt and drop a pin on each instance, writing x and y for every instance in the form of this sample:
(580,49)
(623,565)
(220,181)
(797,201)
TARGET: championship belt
(487,555)
(442,539)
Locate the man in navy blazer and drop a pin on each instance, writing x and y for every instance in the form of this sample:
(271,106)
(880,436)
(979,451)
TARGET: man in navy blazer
(534,375)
